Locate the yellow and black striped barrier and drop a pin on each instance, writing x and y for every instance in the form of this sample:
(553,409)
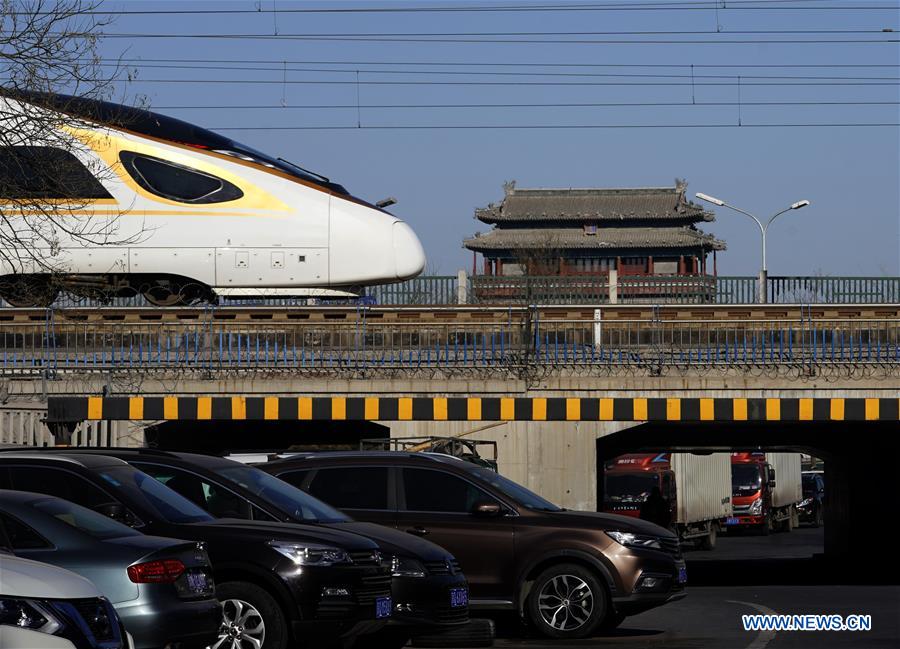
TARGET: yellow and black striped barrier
(70,409)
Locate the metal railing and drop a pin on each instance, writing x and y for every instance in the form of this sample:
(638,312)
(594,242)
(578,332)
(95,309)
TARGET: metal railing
(441,290)
(57,347)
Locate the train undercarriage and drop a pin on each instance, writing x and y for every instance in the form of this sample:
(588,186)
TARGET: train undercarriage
(42,289)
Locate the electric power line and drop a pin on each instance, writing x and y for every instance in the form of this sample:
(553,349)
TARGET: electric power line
(747,5)
(511,63)
(527,105)
(552,126)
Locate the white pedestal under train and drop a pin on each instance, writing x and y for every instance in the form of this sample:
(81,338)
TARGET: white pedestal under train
(143,203)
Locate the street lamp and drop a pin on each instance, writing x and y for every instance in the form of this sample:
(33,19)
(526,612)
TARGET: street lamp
(763,229)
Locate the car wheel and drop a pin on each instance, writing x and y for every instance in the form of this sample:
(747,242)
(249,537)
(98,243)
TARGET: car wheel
(567,601)
(251,618)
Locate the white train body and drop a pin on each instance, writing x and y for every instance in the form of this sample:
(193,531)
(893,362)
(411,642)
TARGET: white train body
(282,232)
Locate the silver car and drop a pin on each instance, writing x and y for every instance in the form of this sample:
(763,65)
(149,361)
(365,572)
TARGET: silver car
(161,588)
(45,607)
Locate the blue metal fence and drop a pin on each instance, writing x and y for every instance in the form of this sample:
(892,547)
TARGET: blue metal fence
(443,290)
(57,347)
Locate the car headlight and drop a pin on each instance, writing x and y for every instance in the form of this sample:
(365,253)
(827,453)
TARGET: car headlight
(805,502)
(406,567)
(310,554)
(756,506)
(28,614)
(633,540)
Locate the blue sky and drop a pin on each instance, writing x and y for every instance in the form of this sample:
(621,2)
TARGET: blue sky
(440,175)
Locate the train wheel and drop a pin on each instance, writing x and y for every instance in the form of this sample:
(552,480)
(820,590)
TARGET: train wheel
(164,292)
(171,292)
(28,291)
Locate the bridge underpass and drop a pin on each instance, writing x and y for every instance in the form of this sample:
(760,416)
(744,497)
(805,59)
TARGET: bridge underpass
(860,489)
(554,445)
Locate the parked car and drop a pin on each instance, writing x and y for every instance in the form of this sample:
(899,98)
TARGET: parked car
(278,584)
(162,589)
(812,508)
(428,590)
(568,573)
(45,607)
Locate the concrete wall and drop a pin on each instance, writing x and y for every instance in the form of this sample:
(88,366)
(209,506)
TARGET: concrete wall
(555,459)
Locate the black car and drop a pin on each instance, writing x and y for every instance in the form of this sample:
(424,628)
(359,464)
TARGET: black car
(429,590)
(278,584)
(811,509)
(161,588)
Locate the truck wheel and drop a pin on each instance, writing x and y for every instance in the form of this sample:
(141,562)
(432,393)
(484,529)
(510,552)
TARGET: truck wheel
(567,601)
(248,612)
(708,542)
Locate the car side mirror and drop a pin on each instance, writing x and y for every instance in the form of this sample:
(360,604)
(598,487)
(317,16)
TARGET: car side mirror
(485,508)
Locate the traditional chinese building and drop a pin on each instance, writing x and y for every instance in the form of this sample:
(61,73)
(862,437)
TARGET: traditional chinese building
(588,232)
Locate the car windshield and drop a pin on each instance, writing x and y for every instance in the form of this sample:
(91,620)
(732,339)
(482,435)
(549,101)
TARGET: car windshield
(745,477)
(629,487)
(152,496)
(286,497)
(84,520)
(517,492)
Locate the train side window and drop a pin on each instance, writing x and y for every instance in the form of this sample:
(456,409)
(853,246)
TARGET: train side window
(176,182)
(46,172)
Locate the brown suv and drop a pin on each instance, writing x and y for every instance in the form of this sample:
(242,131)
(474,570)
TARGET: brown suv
(568,573)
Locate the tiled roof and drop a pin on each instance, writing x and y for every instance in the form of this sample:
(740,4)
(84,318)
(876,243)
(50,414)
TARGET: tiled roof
(645,203)
(609,238)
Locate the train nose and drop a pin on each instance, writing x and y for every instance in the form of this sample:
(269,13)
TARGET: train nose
(409,256)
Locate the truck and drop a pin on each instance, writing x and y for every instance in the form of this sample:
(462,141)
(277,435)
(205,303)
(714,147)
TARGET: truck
(766,489)
(695,491)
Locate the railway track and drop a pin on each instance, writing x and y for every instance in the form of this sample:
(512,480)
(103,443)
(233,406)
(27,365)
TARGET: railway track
(451,314)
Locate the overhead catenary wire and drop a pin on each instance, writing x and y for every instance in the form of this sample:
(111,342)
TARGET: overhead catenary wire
(284,68)
(540,64)
(700,5)
(420,82)
(524,105)
(413,127)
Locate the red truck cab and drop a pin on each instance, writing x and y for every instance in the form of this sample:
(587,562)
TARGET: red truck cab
(630,478)
(750,494)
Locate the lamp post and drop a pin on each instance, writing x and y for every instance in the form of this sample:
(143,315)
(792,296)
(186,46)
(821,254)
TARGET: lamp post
(763,229)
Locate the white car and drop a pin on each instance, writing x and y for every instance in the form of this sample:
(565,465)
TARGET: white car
(45,607)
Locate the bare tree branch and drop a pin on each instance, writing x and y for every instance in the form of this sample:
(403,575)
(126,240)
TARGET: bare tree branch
(49,65)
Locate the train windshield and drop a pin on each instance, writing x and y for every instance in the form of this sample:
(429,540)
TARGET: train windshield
(167,128)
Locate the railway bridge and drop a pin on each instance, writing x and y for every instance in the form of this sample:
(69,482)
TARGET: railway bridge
(560,388)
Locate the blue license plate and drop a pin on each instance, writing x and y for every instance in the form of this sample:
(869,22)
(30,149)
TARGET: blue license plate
(383,607)
(732,521)
(198,582)
(682,575)
(459,597)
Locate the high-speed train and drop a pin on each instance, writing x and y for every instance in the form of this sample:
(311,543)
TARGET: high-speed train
(177,213)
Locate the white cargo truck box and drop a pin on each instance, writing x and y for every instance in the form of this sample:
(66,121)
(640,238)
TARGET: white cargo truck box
(788,483)
(703,484)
